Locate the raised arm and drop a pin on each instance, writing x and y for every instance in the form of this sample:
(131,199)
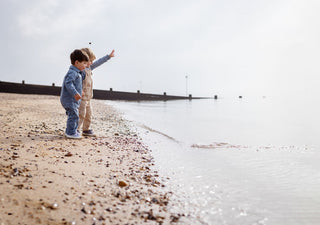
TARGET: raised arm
(102,60)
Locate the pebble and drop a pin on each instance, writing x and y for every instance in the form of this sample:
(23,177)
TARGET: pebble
(122,184)
(69,154)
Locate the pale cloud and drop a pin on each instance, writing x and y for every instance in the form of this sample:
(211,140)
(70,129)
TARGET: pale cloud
(44,18)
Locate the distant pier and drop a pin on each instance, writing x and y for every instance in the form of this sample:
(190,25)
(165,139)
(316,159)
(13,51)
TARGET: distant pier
(23,88)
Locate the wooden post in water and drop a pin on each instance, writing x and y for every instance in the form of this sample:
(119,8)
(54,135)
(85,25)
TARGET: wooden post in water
(165,96)
(138,93)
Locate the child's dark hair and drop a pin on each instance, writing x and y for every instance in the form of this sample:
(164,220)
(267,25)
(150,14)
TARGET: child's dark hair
(78,55)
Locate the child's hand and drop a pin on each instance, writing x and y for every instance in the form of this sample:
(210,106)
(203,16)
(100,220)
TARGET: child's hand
(111,54)
(77,97)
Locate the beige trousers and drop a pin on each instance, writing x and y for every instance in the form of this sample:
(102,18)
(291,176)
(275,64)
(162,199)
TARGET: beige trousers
(85,114)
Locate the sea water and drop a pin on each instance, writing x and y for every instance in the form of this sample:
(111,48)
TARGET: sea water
(236,161)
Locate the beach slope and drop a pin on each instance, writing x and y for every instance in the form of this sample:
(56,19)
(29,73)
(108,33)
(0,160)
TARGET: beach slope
(48,179)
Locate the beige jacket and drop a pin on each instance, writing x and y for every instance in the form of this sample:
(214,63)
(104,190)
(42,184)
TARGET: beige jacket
(87,86)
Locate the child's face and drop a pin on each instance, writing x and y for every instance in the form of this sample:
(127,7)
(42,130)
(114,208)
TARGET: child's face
(89,63)
(80,65)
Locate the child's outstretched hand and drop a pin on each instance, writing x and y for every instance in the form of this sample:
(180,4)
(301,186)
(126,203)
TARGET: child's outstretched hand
(111,54)
(77,97)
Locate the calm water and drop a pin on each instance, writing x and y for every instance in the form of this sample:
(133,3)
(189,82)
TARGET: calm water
(236,161)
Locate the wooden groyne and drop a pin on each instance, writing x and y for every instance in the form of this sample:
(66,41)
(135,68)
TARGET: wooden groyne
(23,88)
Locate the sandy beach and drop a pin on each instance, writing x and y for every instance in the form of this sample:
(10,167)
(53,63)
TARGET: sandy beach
(48,179)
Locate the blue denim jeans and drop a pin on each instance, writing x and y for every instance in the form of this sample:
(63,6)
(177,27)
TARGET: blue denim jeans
(72,121)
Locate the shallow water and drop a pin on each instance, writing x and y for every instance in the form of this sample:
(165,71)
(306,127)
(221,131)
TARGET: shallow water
(236,161)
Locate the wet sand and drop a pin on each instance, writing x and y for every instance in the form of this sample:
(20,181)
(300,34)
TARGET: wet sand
(48,179)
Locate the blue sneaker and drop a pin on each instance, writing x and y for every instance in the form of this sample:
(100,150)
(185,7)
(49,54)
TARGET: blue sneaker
(74,136)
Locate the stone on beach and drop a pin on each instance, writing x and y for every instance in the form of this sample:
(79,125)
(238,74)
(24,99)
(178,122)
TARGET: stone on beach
(122,184)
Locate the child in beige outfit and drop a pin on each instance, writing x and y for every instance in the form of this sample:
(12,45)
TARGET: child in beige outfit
(85,110)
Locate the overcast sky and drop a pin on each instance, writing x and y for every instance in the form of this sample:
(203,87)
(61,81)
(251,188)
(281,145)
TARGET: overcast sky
(237,47)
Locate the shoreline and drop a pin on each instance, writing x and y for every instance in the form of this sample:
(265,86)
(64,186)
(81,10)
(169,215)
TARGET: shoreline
(48,179)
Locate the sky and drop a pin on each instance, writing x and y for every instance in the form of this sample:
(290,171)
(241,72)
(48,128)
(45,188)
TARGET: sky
(199,47)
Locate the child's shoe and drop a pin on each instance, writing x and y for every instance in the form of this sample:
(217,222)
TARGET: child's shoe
(74,136)
(88,133)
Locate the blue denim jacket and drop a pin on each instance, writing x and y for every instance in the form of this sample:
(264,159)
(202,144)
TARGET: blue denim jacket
(72,85)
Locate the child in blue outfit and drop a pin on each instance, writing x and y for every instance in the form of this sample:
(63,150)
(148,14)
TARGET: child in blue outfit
(71,91)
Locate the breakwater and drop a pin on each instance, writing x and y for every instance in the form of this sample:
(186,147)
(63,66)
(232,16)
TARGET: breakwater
(23,88)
